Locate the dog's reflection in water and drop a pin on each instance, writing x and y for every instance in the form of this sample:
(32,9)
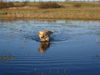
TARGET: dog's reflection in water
(44,45)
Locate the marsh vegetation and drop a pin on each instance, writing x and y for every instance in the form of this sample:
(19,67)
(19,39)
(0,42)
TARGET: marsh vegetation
(52,10)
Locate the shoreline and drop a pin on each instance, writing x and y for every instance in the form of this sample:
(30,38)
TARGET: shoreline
(44,19)
(50,20)
(87,11)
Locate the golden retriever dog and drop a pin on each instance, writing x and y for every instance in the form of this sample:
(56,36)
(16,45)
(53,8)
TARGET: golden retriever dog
(44,35)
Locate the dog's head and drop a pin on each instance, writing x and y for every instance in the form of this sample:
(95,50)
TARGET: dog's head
(44,35)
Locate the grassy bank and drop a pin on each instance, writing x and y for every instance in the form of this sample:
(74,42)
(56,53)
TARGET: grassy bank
(70,10)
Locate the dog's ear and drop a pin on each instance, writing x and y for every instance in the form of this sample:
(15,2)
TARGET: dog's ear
(45,33)
(50,32)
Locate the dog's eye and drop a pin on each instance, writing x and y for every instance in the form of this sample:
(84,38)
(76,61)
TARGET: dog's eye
(47,33)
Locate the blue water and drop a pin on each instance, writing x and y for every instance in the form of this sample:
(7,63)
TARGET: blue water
(74,48)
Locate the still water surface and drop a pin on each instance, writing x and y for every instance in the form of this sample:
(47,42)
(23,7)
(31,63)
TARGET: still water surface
(73,50)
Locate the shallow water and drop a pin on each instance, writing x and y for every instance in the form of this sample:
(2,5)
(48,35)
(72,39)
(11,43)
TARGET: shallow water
(74,48)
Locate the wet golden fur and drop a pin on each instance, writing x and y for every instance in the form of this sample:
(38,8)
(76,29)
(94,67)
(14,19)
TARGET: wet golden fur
(44,35)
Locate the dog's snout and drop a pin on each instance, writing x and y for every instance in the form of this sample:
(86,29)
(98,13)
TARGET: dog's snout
(42,36)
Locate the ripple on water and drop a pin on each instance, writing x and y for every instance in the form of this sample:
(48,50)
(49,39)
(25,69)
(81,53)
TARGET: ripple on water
(56,37)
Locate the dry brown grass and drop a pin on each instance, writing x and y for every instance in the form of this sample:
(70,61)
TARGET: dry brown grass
(87,11)
(49,5)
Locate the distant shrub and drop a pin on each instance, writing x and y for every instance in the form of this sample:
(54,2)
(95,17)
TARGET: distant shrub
(77,5)
(10,4)
(2,4)
(6,4)
(49,5)
(20,4)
